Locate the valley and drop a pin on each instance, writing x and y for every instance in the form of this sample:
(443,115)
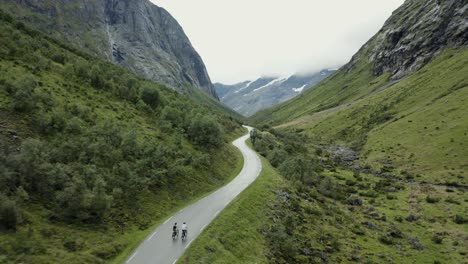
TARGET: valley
(111,130)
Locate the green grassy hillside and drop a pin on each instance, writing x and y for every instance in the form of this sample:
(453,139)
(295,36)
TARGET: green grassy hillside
(309,209)
(92,156)
(415,127)
(400,102)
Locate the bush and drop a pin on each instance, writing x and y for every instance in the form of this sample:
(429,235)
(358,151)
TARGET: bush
(108,250)
(432,199)
(386,239)
(9,216)
(437,239)
(173,115)
(73,244)
(150,96)
(205,131)
(354,199)
(23,94)
(460,219)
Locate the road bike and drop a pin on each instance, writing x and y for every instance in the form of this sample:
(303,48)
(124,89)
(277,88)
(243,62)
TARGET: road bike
(175,234)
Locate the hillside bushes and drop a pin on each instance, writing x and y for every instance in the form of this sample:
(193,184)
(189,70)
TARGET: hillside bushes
(205,131)
(9,216)
(93,141)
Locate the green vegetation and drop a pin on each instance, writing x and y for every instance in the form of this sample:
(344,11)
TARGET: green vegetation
(92,156)
(414,129)
(323,213)
(236,235)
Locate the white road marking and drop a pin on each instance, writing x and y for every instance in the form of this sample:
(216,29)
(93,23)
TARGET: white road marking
(151,237)
(175,261)
(168,220)
(203,227)
(217,212)
(130,259)
(188,244)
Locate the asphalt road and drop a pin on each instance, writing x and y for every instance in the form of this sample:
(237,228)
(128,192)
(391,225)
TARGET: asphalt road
(159,248)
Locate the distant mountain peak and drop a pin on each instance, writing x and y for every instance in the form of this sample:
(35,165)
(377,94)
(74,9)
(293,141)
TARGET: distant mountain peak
(248,97)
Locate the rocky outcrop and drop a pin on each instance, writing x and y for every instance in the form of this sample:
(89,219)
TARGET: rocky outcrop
(251,96)
(135,34)
(414,35)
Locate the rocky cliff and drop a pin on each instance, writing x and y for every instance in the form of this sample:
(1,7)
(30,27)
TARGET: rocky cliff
(414,35)
(136,34)
(251,96)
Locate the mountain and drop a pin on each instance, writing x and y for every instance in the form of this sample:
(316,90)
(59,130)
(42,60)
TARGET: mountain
(401,100)
(92,154)
(136,35)
(251,96)
(369,166)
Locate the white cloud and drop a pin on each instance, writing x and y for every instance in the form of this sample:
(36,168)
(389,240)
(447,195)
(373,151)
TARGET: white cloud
(243,39)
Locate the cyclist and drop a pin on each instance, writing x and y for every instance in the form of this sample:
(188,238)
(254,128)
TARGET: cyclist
(175,231)
(184,230)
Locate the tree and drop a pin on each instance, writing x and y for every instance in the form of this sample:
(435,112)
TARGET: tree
(100,201)
(23,91)
(150,96)
(205,131)
(8,214)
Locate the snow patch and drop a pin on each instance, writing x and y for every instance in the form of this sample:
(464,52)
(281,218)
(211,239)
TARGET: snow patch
(271,83)
(300,89)
(245,87)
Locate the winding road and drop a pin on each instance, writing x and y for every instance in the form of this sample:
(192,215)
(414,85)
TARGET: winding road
(159,247)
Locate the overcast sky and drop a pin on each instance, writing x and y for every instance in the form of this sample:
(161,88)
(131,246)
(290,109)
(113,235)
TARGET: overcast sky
(243,39)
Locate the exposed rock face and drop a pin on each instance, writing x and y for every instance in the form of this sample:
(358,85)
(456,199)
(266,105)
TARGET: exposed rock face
(136,34)
(249,97)
(414,34)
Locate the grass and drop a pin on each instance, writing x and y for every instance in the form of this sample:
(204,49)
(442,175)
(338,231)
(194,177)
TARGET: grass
(435,218)
(393,222)
(236,236)
(417,125)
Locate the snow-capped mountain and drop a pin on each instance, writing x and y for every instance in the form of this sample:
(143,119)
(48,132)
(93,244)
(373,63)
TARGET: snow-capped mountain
(251,96)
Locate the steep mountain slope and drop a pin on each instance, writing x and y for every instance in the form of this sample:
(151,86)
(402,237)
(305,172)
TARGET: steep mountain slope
(137,35)
(410,38)
(91,155)
(249,97)
(400,102)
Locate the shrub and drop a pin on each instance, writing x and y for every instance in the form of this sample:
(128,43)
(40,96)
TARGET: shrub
(460,219)
(395,232)
(9,217)
(432,199)
(452,200)
(205,131)
(23,94)
(107,250)
(73,244)
(150,96)
(386,239)
(354,199)
(173,115)
(437,239)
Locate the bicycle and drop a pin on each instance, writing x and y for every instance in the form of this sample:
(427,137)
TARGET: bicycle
(175,234)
